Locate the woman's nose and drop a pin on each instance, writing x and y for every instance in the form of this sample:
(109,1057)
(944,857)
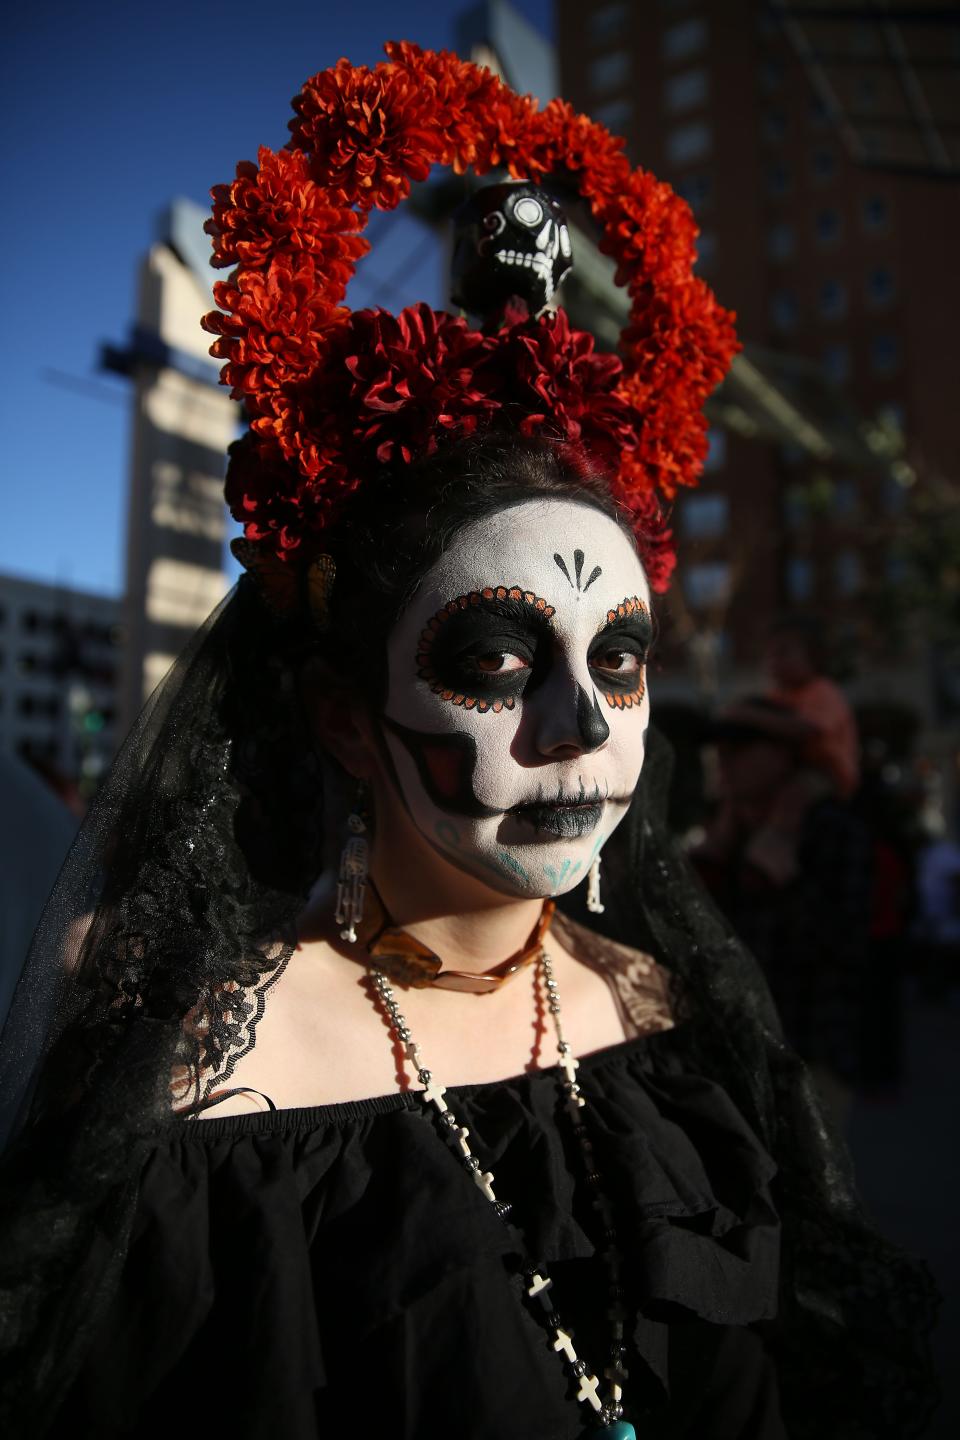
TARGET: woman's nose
(570,721)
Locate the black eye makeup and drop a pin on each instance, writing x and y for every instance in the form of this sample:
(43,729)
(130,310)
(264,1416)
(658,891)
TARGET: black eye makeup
(618,654)
(478,650)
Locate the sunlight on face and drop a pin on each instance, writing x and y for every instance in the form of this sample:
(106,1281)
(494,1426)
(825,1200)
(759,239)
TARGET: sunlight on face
(516,708)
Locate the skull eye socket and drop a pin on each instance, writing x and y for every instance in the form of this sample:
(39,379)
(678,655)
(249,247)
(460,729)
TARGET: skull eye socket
(528,211)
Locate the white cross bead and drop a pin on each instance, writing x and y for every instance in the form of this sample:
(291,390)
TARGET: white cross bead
(589,1385)
(485,1183)
(435,1093)
(538,1283)
(564,1342)
(571,1065)
(461,1133)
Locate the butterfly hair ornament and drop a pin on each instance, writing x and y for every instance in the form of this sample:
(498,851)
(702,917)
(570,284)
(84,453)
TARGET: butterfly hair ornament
(335,397)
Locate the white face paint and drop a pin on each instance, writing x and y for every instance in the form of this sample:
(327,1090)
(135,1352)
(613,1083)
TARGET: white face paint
(516,706)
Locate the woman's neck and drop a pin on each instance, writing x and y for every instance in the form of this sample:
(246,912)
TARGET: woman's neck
(468,925)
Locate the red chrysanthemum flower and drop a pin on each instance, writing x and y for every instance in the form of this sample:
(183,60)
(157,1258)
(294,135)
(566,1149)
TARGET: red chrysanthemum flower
(275,206)
(332,397)
(397,382)
(368,132)
(564,389)
(275,328)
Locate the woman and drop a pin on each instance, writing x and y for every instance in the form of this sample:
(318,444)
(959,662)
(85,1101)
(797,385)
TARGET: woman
(317,1092)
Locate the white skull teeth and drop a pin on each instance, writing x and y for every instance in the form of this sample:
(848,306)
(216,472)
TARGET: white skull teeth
(540,263)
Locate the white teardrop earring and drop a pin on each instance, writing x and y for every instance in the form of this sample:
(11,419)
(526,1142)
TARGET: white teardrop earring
(594,903)
(352,881)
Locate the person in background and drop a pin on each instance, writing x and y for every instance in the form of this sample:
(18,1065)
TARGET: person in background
(810,932)
(813,717)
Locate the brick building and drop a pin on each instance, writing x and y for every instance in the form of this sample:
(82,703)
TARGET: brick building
(798,138)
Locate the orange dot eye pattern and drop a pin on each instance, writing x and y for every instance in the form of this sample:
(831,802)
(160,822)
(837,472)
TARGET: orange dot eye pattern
(428,635)
(616,699)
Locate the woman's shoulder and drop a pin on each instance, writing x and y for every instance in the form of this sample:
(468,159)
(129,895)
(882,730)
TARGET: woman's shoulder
(640,985)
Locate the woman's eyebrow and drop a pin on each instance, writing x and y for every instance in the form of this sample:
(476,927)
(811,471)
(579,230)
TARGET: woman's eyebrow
(636,623)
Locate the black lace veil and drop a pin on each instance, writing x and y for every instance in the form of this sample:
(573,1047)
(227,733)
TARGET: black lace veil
(175,912)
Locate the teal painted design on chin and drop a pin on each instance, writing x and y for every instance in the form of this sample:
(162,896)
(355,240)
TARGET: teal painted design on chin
(507,869)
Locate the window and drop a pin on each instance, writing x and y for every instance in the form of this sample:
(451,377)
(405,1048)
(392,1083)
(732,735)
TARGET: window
(884,354)
(828,227)
(818,116)
(774,126)
(836,363)
(716,449)
(796,507)
(778,180)
(704,516)
(706,249)
(688,142)
(609,72)
(875,214)
(880,288)
(799,578)
(847,572)
(771,75)
(845,499)
(897,568)
(696,190)
(685,91)
(780,241)
(707,584)
(784,311)
(617,114)
(685,39)
(608,22)
(833,300)
(823,164)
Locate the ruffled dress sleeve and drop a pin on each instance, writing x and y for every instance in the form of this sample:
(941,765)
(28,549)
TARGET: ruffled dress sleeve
(329,1272)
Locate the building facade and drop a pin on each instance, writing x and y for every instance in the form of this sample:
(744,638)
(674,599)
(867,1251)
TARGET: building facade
(59,681)
(841,275)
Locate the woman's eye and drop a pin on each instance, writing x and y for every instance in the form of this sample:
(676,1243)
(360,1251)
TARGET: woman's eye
(623,662)
(499,662)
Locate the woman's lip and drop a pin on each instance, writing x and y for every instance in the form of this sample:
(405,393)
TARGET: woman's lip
(567,821)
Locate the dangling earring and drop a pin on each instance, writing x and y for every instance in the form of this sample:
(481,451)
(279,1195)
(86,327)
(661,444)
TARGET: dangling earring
(594,903)
(352,883)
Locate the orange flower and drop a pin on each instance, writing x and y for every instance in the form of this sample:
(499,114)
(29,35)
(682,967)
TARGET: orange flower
(368,133)
(277,207)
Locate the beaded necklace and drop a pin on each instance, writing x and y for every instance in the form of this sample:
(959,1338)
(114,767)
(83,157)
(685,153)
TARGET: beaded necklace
(607,1410)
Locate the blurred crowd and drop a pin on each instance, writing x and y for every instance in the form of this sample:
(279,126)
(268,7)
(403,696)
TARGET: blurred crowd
(834,864)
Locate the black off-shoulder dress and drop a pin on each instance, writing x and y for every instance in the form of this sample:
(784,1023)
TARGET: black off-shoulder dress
(331,1272)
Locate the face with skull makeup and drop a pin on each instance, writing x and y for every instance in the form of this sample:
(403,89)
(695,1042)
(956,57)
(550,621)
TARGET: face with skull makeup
(516,710)
(512,241)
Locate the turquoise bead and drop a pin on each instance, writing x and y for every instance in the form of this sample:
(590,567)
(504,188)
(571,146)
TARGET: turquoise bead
(619,1430)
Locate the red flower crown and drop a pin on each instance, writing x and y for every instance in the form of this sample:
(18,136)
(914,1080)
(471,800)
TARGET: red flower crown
(332,394)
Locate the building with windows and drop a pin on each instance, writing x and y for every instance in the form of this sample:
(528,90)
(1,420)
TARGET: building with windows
(812,147)
(59,680)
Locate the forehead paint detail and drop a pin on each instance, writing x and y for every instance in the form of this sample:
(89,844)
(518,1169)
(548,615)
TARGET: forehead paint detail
(425,667)
(595,573)
(446,765)
(593,729)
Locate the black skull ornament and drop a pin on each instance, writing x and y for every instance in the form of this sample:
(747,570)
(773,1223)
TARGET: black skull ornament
(511,242)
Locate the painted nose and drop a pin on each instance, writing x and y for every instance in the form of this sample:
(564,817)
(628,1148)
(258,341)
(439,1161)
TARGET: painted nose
(573,722)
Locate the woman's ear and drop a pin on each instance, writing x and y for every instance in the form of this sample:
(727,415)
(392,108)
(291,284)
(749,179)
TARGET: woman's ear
(338,721)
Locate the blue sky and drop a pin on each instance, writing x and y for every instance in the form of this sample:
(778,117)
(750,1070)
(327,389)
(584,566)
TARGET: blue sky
(110,111)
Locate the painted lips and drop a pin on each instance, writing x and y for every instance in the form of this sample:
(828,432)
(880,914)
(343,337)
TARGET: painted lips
(567,821)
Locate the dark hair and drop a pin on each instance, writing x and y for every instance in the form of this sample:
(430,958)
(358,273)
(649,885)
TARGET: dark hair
(395,531)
